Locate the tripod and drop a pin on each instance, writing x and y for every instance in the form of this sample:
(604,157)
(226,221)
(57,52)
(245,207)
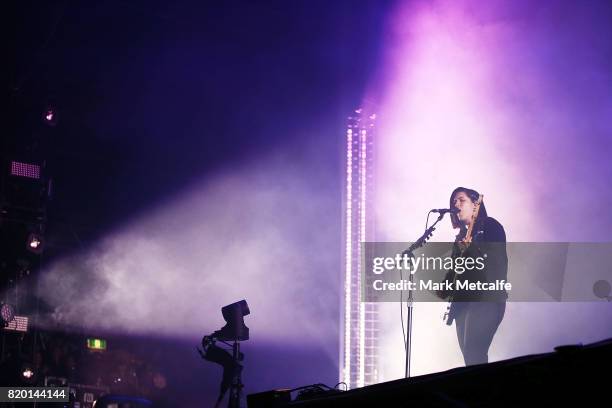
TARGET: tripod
(232,368)
(236,384)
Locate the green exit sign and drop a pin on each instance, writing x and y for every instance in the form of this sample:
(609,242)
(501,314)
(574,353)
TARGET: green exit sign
(96,344)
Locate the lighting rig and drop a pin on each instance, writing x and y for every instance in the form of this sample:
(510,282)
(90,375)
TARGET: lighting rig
(234,331)
(25,189)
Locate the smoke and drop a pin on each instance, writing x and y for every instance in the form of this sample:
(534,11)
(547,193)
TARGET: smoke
(511,99)
(266,231)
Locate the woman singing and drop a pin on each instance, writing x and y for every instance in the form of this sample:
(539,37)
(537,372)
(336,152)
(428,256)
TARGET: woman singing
(477,314)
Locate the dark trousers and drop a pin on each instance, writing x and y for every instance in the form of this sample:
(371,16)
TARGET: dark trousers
(476,324)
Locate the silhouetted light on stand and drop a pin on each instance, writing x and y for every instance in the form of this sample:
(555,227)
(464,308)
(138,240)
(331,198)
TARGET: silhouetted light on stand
(235,331)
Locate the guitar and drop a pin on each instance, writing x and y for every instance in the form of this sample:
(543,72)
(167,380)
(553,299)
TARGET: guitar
(449,315)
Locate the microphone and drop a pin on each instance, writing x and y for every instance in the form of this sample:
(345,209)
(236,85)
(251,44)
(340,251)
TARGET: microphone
(445,210)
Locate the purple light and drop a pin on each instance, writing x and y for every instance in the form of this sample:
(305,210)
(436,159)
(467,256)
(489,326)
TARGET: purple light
(50,116)
(19,323)
(25,170)
(7,313)
(355,355)
(345,375)
(35,243)
(461,82)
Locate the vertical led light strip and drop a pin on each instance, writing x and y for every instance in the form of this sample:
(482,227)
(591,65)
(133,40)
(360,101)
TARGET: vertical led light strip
(362,238)
(346,377)
(356,359)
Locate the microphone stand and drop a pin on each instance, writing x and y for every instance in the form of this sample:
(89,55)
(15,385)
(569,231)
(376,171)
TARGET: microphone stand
(417,244)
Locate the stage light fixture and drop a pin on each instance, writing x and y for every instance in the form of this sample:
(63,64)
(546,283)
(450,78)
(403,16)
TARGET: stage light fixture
(27,373)
(7,314)
(19,323)
(235,329)
(35,243)
(50,116)
(27,170)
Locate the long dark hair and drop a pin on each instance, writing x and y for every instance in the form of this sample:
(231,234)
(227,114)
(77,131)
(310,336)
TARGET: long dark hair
(473,196)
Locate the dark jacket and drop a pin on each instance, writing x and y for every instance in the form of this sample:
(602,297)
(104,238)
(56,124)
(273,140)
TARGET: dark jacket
(489,242)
